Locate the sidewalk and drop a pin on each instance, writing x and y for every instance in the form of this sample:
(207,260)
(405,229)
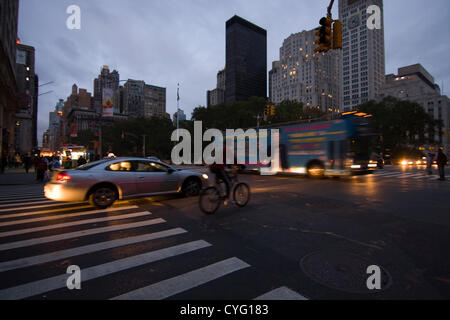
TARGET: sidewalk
(18,176)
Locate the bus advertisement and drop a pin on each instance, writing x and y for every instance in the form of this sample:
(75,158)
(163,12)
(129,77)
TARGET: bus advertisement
(329,148)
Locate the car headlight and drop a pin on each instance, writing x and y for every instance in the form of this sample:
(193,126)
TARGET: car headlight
(205,176)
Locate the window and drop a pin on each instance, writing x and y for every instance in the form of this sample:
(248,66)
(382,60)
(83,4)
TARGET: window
(148,166)
(120,166)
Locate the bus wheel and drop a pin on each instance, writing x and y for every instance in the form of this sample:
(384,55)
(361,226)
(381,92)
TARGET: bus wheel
(316,171)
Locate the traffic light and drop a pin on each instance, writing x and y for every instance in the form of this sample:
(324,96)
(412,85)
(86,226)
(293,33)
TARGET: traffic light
(337,35)
(324,35)
(272,110)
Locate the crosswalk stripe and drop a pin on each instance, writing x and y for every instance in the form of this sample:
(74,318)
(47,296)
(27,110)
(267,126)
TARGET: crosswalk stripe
(282,293)
(58,255)
(50,205)
(74,223)
(407,175)
(23,198)
(181,283)
(56,217)
(20,202)
(24,214)
(45,206)
(58,282)
(78,234)
(20,195)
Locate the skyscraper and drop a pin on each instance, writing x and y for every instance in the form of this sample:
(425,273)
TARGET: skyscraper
(27,89)
(9,103)
(304,76)
(106,79)
(246,60)
(363,53)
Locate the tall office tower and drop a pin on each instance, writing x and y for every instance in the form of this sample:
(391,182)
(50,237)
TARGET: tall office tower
(9,104)
(217,96)
(363,53)
(106,79)
(154,102)
(27,89)
(304,76)
(246,60)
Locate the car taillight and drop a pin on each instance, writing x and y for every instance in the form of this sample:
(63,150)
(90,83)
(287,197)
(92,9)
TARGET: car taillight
(63,177)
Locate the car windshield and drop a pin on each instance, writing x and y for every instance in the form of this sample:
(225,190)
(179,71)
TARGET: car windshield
(91,165)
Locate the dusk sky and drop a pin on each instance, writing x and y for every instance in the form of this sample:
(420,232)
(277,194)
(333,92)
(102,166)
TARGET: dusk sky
(165,42)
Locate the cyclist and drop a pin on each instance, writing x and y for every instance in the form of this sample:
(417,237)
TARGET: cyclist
(221,173)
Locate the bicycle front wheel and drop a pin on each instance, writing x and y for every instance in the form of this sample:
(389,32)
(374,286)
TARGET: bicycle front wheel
(209,200)
(241,194)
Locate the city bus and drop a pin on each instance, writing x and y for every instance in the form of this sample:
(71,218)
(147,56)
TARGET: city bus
(326,148)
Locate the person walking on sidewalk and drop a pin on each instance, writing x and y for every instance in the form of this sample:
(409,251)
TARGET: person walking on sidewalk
(3,164)
(441,160)
(27,162)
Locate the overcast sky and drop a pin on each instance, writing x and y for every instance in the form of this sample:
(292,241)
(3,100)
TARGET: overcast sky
(165,42)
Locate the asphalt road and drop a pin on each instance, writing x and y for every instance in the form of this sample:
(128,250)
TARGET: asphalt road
(297,239)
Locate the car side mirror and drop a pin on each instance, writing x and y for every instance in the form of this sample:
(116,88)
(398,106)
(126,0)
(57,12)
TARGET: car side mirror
(170,171)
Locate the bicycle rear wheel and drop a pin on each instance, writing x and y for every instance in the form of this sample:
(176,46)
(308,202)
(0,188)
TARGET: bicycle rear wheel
(209,200)
(241,194)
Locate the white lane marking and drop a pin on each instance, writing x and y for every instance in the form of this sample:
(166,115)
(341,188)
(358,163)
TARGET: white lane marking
(20,194)
(58,282)
(55,217)
(77,234)
(74,223)
(282,293)
(186,281)
(15,203)
(17,199)
(53,256)
(407,175)
(389,174)
(39,207)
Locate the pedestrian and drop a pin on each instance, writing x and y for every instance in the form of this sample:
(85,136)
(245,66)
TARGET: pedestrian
(27,162)
(68,164)
(56,164)
(41,168)
(441,160)
(429,163)
(3,164)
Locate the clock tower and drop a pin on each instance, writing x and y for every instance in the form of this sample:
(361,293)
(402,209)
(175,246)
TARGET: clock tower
(363,54)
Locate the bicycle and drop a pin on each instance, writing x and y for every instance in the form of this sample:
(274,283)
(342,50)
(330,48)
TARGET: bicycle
(211,197)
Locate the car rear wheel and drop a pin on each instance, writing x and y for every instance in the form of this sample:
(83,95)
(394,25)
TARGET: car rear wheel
(103,197)
(191,187)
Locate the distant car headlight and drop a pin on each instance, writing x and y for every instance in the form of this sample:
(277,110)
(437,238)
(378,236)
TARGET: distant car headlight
(356,166)
(404,163)
(373,165)
(205,176)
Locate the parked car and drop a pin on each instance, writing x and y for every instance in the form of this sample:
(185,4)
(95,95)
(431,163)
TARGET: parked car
(105,181)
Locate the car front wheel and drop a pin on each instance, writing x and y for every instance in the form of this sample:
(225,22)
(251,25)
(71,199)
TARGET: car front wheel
(103,197)
(192,187)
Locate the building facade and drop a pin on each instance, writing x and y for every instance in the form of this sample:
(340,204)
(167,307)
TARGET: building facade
(154,101)
(246,60)
(53,126)
(25,137)
(106,79)
(9,103)
(301,75)
(415,83)
(217,95)
(179,115)
(363,51)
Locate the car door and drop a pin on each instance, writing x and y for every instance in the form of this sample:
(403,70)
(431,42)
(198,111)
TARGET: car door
(154,178)
(122,174)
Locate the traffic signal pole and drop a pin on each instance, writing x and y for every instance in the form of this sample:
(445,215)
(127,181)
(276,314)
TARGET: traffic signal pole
(330,7)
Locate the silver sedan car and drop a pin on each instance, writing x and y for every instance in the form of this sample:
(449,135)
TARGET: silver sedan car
(105,181)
